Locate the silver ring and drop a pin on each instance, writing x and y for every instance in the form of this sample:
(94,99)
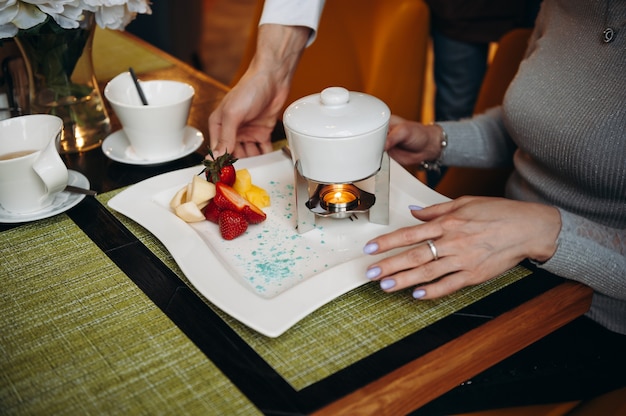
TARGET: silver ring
(433,249)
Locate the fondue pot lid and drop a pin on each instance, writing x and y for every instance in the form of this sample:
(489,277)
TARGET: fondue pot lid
(336,113)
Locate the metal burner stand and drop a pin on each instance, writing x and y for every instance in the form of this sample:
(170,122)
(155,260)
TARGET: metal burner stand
(308,203)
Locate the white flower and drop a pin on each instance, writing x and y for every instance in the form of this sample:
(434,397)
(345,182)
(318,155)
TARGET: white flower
(68,14)
(15,15)
(116,14)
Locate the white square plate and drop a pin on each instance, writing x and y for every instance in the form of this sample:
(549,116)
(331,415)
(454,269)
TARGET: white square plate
(270,277)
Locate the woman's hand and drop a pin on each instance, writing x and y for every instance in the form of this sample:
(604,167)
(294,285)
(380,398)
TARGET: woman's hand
(475,239)
(410,142)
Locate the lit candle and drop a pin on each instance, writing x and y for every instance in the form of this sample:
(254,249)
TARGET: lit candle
(336,198)
(339,197)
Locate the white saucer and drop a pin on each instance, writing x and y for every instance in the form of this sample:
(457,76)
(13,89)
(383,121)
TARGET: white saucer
(61,203)
(117,147)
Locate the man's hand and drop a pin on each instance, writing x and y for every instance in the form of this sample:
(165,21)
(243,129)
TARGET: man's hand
(243,122)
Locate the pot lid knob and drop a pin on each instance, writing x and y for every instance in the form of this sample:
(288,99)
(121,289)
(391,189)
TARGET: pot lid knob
(335,96)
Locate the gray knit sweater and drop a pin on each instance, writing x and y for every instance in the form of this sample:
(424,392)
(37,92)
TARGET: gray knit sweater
(563,121)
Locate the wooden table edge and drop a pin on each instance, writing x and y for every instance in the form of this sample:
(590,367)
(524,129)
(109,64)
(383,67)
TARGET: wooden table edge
(426,378)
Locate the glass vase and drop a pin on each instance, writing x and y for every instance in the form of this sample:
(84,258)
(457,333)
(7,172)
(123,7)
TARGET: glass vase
(62,82)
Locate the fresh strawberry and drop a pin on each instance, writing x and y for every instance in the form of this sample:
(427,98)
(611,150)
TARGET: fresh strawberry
(253,214)
(220,169)
(212,212)
(232,224)
(227,198)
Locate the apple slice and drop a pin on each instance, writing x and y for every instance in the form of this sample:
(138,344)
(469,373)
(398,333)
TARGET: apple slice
(179,198)
(188,193)
(189,212)
(201,191)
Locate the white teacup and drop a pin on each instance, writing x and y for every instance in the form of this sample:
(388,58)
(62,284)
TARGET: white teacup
(31,170)
(155,131)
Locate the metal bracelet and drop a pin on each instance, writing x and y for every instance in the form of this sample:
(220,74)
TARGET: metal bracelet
(435,165)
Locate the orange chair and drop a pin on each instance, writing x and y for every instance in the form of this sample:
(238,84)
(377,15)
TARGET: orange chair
(371,46)
(489,182)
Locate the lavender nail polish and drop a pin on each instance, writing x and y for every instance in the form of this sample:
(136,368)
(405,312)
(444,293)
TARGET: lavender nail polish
(373,273)
(419,293)
(415,208)
(387,284)
(370,248)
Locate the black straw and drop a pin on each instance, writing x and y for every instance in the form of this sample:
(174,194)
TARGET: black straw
(139,90)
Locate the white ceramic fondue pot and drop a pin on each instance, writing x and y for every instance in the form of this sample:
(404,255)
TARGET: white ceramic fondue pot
(338,136)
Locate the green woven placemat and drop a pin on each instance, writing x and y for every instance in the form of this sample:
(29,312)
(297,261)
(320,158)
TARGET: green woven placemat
(343,331)
(77,337)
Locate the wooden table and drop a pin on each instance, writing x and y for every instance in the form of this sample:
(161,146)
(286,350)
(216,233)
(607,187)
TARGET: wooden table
(396,380)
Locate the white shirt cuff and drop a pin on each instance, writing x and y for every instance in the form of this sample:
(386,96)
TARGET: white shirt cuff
(305,13)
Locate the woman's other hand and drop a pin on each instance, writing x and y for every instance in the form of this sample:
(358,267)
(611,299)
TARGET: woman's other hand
(475,239)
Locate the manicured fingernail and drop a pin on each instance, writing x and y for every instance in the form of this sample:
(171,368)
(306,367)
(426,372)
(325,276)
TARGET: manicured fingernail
(370,248)
(419,293)
(373,273)
(415,208)
(387,284)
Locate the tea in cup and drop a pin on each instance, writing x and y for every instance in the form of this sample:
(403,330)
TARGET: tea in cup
(31,169)
(155,131)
